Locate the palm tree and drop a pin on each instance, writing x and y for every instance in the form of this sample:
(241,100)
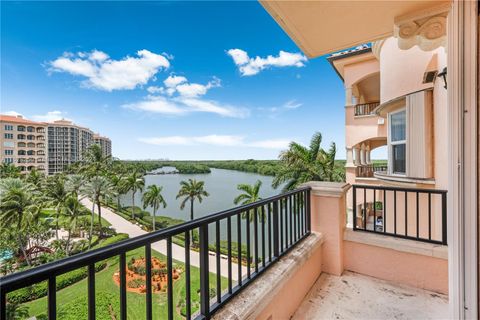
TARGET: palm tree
(118,183)
(134,182)
(300,164)
(16,311)
(17,201)
(97,189)
(95,162)
(9,170)
(56,192)
(153,197)
(73,212)
(74,183)
(251,194)
(35,177)
(190,191)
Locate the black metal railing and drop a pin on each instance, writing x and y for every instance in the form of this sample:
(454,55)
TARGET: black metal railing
(410,213)
(278,223)
(364,109)
(382,168)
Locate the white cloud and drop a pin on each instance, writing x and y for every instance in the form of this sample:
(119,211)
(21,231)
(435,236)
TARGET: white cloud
(239,56)
(107,74)
(12,113)
(157,104)
(179,96)
(172,81)
(251,66)
(182,106)
(211,106)
(292,104)
(50,116)
(179,84)
(216,140)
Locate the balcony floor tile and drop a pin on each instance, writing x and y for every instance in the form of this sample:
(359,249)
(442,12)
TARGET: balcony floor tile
(354,296)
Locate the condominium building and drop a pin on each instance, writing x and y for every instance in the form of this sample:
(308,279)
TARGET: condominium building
(105,144)
(67,143)
(49,147)
(23,143)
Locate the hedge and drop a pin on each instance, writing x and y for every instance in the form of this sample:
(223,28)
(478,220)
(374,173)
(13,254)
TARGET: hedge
(116,238)
(107,307)
(40,290)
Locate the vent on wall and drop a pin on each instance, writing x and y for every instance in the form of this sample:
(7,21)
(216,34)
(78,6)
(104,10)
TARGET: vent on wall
(430,76)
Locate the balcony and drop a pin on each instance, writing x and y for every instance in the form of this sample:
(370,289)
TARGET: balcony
(369,170)
(365,109)
(297,250)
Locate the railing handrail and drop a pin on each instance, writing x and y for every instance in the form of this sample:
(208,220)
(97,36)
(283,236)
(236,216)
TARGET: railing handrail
(43,272)
(418,236)
(421,190)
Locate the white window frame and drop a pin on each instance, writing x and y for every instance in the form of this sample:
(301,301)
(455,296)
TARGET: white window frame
(392,143)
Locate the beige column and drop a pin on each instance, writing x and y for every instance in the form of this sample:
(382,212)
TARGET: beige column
(367,155)
(348,97)
(357,156)
(362,155)
(328,211)
(349,162)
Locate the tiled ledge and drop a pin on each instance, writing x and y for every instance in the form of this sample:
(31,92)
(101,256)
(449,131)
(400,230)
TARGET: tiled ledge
(398,244)
(252,300)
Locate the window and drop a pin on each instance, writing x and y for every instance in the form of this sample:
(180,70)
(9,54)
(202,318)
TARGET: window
(8,160)
(9,152)
(8,135)
(8,127)
(398,142)
(9,144)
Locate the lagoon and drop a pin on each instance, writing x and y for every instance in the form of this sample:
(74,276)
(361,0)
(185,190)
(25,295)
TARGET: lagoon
(221,184)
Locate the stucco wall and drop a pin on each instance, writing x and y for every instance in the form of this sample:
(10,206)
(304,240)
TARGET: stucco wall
(411,269)
(284,304)
(401,71)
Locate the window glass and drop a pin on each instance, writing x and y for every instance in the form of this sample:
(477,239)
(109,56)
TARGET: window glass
(398,161)
(398,126)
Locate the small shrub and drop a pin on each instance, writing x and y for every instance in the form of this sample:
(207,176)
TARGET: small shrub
(136,283)
(40,289)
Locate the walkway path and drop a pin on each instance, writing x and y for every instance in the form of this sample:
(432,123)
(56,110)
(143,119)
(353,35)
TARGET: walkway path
(122,225)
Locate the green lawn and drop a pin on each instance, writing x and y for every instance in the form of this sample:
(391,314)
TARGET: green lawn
(71,301)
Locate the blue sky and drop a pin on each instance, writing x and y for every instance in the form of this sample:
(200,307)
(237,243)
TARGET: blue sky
(177,80)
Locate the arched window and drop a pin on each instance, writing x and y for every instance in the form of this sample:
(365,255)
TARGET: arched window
(31,145)
(22,144)
(21,152)
(30,129)
(20,128)
(20,136)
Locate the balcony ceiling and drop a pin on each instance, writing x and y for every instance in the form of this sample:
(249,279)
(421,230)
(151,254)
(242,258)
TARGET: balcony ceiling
(321,27)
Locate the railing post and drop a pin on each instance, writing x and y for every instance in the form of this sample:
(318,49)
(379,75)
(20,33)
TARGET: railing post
(309,211)
(276,250)
(3,304)
(354,207)
(204,272)
(444,218)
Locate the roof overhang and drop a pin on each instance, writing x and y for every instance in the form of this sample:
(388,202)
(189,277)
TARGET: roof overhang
(322,27)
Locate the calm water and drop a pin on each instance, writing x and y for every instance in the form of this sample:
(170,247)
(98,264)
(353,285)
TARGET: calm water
(220,184)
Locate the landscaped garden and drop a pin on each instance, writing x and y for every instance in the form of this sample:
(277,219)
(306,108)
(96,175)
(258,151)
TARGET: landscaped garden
(72,301)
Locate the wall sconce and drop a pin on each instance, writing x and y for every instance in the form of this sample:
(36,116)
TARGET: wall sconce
(443,74)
